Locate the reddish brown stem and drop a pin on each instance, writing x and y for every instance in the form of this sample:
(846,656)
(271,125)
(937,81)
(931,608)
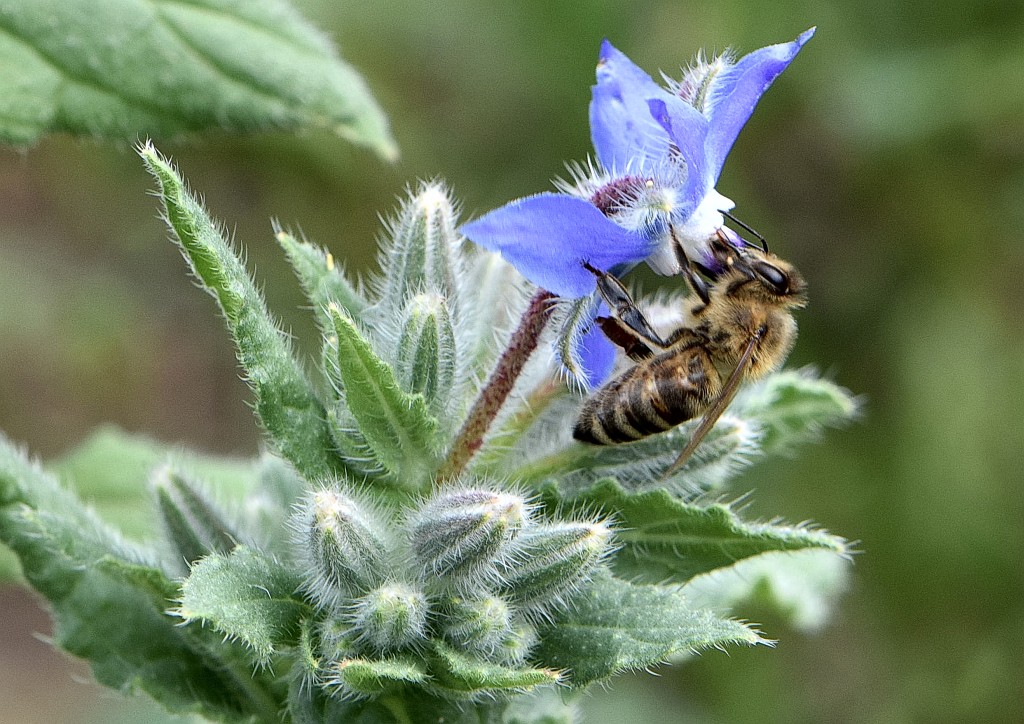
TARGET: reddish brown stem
(499,385)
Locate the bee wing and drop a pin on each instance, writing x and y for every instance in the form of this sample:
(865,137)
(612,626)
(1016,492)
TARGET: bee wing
(715,411)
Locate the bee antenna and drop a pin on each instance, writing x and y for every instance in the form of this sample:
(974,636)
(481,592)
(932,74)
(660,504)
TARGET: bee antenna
(759,237)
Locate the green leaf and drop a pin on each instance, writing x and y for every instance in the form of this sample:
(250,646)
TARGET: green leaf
(285,401)
(455,674)
(247,597)
(801,585)
(109,598)
(791,407)
(397,426)
(122,69)
(665,539)
(322,280)
(614,626)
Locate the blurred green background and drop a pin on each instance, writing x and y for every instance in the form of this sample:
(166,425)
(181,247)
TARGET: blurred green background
(887,163)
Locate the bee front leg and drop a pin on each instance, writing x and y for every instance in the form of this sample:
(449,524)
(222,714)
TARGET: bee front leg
(630,330)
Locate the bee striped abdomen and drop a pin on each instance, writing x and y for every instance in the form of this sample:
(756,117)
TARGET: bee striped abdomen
(653,397)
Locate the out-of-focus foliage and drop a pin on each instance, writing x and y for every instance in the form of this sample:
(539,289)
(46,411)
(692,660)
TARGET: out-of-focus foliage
(888,164)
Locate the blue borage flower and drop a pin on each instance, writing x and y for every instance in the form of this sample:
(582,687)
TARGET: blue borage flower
(660,151)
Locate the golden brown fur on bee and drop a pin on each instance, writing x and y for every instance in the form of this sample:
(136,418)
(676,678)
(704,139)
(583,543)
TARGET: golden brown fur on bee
(749,305)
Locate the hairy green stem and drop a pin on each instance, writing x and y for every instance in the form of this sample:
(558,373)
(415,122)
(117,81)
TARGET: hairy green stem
(499,385)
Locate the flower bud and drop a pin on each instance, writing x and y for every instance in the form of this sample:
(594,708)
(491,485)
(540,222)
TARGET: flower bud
(343,545)
(192,524)
(480,624)
(390,617)
(426,351)
(549,563)
(461,533)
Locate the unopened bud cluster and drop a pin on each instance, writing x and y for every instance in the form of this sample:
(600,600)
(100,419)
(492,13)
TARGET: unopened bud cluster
(472,568)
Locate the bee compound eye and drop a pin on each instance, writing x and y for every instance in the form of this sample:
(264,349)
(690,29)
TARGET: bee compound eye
(774,277)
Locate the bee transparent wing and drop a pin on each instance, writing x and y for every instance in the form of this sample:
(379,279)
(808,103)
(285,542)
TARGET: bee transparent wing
(715,411)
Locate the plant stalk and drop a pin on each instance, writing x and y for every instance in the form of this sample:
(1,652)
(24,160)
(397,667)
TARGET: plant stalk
(524,341)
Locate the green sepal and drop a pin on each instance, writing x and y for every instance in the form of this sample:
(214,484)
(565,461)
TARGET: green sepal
(615,626)
(323,281)
(398,428)
(793,406)
(572,319)
(120,69)
(192,524)
(285,401)
(456,675)
(247,597)
(664,539)
(426,357)
(371,677)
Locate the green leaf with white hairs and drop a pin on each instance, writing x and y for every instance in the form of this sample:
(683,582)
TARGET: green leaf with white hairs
(664,539)
(120,69)
(371,677)
(247,597)
(397,426)
(793,406)
(322,279)
(109,600)
(801,585)
(615,626)
(285,401)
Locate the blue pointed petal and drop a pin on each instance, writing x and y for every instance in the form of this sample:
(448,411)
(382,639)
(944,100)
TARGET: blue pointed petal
(688,130)
(624,135)
(597,355)
(736,91)
(547,237)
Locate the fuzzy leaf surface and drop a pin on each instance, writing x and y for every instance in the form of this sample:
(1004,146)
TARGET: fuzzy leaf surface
(121,69)
(802,586)
(245,596)
(285,401)
(664,539)
(397,426)
(322,279)
(615,626)
(793,406)
(109,600)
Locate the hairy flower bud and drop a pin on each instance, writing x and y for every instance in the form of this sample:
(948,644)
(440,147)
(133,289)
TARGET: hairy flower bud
(460,533)
(343,544)
(480,624)
(192,524)
(549,562)
(425,361)
(390,617)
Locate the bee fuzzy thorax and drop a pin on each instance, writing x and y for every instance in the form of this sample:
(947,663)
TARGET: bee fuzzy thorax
(738,327)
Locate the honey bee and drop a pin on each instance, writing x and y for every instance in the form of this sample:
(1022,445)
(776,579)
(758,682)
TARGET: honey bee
(739,326)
